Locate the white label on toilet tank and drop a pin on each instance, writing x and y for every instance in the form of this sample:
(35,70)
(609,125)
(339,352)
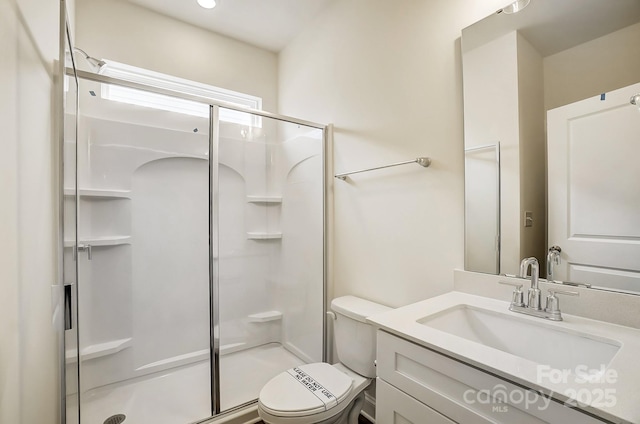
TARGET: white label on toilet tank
(314,387)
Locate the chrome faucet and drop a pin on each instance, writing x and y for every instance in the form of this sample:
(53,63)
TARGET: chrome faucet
(534,291)
(533,307)
(553,258)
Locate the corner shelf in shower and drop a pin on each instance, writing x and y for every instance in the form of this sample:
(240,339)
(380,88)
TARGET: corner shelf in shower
(99,193)
(264,199)
(98,350)
(265,316)
(258,235)
(100,241)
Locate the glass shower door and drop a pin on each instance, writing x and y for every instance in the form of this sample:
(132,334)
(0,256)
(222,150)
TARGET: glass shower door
(200,260)
(143,258)
(270,265)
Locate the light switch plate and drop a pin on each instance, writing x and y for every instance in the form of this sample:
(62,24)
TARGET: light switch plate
(528,219)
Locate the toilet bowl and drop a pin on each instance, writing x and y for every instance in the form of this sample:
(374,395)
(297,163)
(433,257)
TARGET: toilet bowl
(321,393)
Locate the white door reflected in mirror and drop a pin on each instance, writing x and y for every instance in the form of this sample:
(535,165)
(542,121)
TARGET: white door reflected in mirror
(594,196)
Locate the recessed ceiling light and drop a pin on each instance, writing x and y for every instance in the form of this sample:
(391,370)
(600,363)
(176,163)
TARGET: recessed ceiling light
(515,7)
(207,4)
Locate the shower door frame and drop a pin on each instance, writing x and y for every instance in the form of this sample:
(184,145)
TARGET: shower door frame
(214,106)
(69,320)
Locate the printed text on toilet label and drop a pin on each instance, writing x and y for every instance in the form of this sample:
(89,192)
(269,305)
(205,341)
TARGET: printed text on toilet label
(312,385)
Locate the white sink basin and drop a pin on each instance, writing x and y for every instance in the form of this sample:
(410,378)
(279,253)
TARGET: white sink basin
(543,343)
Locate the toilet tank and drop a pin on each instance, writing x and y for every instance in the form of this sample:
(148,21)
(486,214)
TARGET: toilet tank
(354,338)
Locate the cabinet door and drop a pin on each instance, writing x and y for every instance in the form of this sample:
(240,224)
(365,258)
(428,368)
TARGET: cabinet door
(395,407)
(463,393)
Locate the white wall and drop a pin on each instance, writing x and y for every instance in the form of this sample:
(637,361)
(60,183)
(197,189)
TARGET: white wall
(28,223)
(127,33)
(533,196)
(491,115)
(504,102)
(603,65)
(387,74)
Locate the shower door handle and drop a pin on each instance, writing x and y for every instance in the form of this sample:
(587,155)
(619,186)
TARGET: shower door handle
(87,248)
(68,316)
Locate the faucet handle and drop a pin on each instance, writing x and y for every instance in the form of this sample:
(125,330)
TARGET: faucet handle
(517,297)
(553,304)
(555,291)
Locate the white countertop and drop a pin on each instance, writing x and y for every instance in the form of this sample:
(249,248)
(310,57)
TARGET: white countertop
(623,389)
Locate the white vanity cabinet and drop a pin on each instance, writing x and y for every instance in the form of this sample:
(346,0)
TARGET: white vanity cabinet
(418,385)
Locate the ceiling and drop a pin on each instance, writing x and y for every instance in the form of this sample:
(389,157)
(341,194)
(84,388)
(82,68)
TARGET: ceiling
(270,24)
(552,26)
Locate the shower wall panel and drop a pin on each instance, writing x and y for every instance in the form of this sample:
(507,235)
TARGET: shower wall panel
(143,292)
(246,262)
(170,262)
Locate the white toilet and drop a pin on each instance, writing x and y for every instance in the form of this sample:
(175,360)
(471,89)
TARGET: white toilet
(322,393)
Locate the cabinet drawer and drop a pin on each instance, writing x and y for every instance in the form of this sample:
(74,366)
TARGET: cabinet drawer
(395,407)
(463,393)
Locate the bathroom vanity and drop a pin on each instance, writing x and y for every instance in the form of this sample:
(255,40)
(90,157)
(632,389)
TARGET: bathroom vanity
(466,356)
(468,359)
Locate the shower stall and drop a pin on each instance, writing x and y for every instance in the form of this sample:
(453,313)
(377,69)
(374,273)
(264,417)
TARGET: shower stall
(193,254)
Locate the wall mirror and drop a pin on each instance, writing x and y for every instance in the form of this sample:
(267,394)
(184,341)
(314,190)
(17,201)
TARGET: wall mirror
(552,140)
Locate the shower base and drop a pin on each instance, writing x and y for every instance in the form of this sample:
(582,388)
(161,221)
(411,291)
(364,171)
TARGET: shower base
(182,395)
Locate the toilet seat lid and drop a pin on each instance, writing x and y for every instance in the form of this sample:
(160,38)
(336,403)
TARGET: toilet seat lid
(305,390)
